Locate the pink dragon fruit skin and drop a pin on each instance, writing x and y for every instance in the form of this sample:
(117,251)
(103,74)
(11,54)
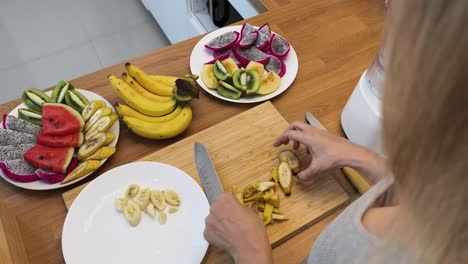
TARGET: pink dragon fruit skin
(19,170)
(217,54)
(248,40)
(223,42)
(53,177)
(246,30)
(220,58)
(4,121)
(250,54)
(279,46)
(263,39)
(276,65)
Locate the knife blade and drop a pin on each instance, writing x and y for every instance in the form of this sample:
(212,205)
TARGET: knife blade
(207,173)
(361,184)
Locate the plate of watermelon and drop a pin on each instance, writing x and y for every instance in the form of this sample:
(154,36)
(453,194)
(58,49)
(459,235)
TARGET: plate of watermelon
(244,64)
(49,145)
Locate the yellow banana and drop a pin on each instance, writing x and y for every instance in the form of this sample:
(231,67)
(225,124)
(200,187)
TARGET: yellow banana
(167,80)
(125,110)
(138,102)
(147,82)
(164,130)
(142,91)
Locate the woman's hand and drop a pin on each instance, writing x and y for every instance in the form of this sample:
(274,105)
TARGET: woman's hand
(238,230)
(330,152)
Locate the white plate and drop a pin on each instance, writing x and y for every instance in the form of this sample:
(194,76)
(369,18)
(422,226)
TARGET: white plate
(41,185)
(200,55)
(95,232)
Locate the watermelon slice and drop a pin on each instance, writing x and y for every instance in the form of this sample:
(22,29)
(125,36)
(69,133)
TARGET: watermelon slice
(49,158)
(60,120)
(72,140)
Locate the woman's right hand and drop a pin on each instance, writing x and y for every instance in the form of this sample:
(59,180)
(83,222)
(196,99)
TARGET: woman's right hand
(327,151)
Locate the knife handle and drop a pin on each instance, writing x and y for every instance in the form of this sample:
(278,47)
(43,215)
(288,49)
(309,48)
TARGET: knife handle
(359,182)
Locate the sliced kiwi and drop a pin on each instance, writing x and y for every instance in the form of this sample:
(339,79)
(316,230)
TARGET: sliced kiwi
(220,71)
(91,145)
(228,91)
(35,98)
(60,90)
(246,80)
(31,116)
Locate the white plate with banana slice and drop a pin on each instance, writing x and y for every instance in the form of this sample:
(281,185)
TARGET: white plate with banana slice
(42,185)
(95,231)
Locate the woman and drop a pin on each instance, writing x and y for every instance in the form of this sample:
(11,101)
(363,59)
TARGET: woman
(425,134)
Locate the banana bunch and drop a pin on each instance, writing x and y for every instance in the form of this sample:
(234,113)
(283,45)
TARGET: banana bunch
(156,106)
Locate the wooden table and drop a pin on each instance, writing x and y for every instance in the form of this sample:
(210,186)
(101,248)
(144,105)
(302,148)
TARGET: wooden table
(335,41)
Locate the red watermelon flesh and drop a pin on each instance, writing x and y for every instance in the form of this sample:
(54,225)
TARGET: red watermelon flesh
(49,158)
(60,120)
(71,140)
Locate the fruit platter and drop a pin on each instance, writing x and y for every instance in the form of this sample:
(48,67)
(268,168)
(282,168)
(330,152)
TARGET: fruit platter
(244,64)
(54,139)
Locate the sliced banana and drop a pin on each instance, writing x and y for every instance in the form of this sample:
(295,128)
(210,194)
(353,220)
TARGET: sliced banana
(121,203)
(132,190)
(133,213)
(143,198)
(162,218)
(172,197)
(173,209)
(91,145)
(102,125)
(91,108)
(105,111)
(158,200)
(150,210)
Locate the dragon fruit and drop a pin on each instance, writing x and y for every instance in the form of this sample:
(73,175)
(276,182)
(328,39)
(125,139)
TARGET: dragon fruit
(220,58)
(14,123)
(12,152)
(276,65)
(223,42)
(248,40)
(279,46)
(12,137)
(247,29)
(19,170)
(54,177)
(250,54)
(263,39)
(218,54)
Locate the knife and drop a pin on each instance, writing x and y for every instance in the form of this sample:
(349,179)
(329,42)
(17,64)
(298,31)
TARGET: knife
(207,173)
(361,184)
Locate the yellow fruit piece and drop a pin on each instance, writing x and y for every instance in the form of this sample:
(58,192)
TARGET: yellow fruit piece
(137,101)
(101,126)
(173,209)
(132,190)
(285,177)
(274,174)
(208,77)
(162,218)
(83,169)
(158,200)
(257,67)
(105,111)
(149,83)
(163,130)
(142,91)
(109,138)
(167,80)
(269,83)
(133,213)
(230,65)
(267,213)
(125,110)
(102,153)
(171,197)
(91,108)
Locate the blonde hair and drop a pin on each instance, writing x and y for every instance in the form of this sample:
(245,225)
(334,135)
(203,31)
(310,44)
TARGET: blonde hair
(425,125)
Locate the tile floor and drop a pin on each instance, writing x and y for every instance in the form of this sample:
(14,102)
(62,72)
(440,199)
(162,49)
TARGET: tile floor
(42,42)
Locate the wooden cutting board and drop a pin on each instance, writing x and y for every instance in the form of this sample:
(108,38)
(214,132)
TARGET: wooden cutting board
(242,152)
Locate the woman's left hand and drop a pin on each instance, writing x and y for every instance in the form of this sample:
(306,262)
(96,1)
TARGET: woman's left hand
(238,230)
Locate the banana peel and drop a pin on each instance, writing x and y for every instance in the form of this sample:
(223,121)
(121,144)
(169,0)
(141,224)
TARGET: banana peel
(274,174)
(267,213)
(102,153)
(83,169)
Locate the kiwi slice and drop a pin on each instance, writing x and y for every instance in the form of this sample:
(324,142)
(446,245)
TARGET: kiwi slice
(220,71)
(91,145)
(31,116)
(60,90)
(247,81)
(228,91)
(35,98)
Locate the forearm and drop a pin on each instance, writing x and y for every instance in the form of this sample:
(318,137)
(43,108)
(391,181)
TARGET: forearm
(254,255)
(368,163)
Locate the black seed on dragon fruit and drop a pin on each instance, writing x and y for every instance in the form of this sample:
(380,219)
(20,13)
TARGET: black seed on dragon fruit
(248,40)
(263,39)
(276,65)
(247,29)
(12,152)
(11,137)
(19,170)
(223,42)
(279,46)
(250,54)
(14,123)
